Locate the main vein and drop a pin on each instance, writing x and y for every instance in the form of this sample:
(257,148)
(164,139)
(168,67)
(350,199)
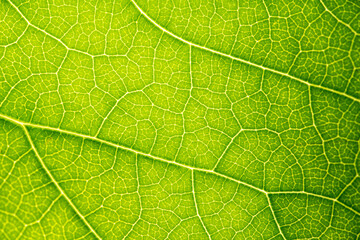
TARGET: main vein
(21,123)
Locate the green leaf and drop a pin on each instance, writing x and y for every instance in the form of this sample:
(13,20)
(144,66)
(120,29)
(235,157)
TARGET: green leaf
(143,119)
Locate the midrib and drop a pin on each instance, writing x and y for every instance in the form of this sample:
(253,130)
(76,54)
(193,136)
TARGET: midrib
(25,124)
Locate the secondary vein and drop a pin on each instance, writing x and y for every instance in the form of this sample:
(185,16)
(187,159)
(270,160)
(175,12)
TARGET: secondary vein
(55,182)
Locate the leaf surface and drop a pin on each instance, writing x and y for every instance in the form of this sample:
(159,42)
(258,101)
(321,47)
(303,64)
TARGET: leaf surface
(144,119)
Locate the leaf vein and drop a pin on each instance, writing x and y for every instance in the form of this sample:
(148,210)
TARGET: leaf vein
(239,59)
(24,124)
(56,183)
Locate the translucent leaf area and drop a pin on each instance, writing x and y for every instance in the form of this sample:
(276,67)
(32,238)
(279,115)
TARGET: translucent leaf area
(179,119)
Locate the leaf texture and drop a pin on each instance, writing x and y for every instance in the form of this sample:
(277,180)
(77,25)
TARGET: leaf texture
(145,119)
